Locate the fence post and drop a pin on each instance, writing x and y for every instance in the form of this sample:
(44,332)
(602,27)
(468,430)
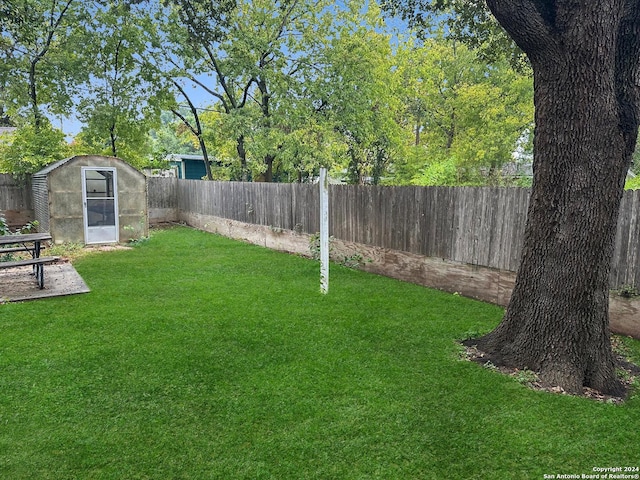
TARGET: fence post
(324,231)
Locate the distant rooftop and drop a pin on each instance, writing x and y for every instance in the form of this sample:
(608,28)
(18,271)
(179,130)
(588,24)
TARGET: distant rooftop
(4,130)
(184,156)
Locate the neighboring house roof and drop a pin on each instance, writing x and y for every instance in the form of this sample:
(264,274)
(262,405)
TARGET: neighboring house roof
(6,130)
(190,166)
(181,157)
(177,157)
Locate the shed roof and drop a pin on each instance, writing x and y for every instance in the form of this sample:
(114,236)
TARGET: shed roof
(49,168)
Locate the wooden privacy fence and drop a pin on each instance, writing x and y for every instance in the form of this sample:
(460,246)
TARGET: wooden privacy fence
(16,203)
(476,226)
(480,226)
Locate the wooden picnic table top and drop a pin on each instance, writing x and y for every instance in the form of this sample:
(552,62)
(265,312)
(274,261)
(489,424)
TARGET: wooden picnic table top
(24,238)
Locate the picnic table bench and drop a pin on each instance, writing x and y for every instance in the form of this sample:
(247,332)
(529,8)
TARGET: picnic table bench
(29,242)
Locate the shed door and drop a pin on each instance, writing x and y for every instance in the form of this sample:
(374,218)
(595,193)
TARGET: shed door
(100,197)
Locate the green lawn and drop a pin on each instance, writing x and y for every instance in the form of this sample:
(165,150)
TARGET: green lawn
(198,357)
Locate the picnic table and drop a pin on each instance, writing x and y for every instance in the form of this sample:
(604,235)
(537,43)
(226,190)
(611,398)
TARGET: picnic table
(31,243)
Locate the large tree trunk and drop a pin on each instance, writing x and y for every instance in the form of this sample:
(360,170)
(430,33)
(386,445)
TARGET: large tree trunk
(584,57)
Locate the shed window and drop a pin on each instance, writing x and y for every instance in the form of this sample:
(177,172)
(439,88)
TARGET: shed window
(99,184)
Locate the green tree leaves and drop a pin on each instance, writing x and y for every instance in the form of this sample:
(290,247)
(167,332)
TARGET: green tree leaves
(40,70)
(29,149)
(272,89)
(464,113)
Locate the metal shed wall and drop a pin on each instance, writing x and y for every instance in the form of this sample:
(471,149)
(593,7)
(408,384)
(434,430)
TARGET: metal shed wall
(41,201)
(58,198)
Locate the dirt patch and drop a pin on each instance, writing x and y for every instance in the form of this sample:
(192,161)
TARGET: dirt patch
(60,279)
(107,248)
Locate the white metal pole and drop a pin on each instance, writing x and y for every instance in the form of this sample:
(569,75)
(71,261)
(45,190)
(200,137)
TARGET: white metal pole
(324,231)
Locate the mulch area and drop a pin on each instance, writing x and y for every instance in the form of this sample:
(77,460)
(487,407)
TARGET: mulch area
(629,374)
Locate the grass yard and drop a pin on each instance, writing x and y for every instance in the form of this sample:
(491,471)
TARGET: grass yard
(198,357)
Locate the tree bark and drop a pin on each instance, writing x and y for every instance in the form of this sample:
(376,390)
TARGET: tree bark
(112,139)
(585,63)
(205,157)
(33,96)
(242,155)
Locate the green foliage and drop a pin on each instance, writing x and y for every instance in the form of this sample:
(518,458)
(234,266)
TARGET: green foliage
(314,245)
(290,87)
(40,62)
(310,145)
(293,85)
(4,228)
(131,141)
(470,22)
(632,183)
(360,91)
(123,101)
(277,67)
(464,114)
(443,173)
(29,227)
(170,136)
(355,260)
(30,149)
(627,291)
(525,377)
(136,231)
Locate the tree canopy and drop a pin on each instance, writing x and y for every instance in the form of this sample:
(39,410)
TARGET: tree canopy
(121,102)
(272,90)
(40,71)
(467,115)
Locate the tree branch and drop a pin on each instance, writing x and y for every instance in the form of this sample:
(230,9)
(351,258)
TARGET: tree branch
(197,130)
(530,23)
(222,79)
